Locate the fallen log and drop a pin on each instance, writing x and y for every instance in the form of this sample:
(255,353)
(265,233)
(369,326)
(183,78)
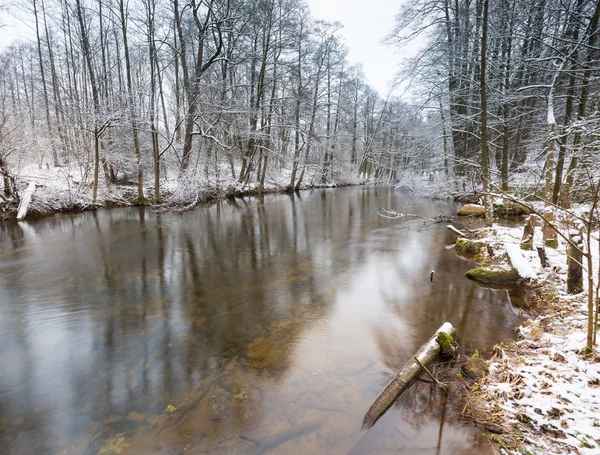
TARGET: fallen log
(406,376)
(519,263)
(494,275)
(456,231)
(25,201)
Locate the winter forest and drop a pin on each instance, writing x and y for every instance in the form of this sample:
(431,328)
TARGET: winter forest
(185,98)
(195,313)
(181,99)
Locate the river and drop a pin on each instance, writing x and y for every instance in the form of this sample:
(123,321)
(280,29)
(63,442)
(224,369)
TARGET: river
(254,325)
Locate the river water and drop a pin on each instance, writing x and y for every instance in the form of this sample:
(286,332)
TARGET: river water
(256,325)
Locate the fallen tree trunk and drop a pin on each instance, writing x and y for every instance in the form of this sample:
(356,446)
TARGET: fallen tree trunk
(25,201)
(519,263)
(407,375)
(456,231)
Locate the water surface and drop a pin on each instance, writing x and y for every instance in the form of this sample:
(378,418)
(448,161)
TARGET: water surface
(257,325)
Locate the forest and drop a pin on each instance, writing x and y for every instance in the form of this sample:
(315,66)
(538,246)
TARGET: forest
(184,98)
(242,324)
(178,99)
(516,86)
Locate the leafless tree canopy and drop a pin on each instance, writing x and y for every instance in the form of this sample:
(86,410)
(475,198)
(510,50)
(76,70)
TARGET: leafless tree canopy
(197,92)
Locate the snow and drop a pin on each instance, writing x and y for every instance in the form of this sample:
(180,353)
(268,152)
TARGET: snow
(25,200)
(68,188)
(548,390)
(519,262)
(551,119)
(556,388)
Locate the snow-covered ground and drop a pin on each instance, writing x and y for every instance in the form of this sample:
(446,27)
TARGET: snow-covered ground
(68,189)
(543,389)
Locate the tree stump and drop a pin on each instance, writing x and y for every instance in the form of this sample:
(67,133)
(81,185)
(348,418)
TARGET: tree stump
(549,233)
(542,255)
(574,263)
(528,231)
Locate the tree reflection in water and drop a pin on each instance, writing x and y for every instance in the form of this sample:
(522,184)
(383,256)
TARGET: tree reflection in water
(251,325)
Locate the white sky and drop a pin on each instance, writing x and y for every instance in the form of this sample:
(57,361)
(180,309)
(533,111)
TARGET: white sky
(10,28)
(366,23)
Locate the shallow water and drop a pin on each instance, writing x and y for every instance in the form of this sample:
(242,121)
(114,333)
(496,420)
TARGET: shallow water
(260,325)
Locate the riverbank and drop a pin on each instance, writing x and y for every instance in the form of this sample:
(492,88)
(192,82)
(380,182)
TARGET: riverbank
(58,191)
(542,393)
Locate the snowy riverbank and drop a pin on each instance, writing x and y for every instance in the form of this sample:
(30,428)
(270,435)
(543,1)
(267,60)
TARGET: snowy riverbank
(542,394)
(61,190)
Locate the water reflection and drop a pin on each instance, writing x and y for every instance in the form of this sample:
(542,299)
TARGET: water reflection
(252,325)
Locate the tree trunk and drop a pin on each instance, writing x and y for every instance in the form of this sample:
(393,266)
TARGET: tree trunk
(55,91)
(176,53)
(487,201)
(566,191)
(132,112)
(90,69)
(549,233)
(45,89)
(297,111)
(311,127)
(204,28)
(150,8)
(506,105)
(573,35)
(575,264)
(550,164)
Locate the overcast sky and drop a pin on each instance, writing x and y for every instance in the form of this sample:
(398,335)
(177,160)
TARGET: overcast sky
(366,23)
(10,29)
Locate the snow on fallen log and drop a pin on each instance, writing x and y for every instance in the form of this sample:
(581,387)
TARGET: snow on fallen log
(407,375)
(25,201)
(519,262)
(456,231)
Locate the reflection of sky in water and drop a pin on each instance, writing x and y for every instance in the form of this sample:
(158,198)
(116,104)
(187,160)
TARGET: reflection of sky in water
(268,324)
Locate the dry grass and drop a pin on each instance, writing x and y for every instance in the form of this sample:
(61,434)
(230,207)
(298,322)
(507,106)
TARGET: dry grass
(481,400)
(480,407)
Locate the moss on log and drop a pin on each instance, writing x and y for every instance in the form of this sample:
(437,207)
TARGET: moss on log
(475,368)
(448,347)
(471,249)
(407,375)
(494,275)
